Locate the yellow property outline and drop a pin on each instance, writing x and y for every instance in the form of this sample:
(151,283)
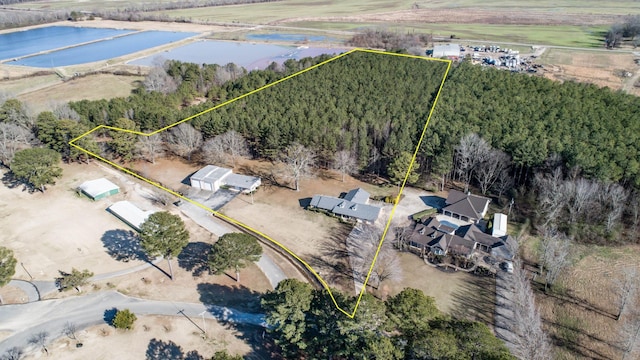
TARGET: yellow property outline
(244,226)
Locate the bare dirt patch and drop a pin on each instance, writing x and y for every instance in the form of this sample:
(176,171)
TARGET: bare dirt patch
(599,68)
(150,334)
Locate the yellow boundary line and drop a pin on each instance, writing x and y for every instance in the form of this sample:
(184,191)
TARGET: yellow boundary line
(244,226)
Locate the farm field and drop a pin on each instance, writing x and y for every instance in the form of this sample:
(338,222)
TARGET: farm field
(92,87)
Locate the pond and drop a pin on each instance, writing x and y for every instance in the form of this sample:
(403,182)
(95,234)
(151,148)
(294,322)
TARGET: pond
(33,41)
(103,50)
(248,55)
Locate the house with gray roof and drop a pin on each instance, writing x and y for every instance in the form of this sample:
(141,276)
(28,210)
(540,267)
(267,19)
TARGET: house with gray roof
(466,207)
(353,205)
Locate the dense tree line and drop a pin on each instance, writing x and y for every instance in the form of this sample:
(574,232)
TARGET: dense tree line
(629,29)
(18,18)
(304,324)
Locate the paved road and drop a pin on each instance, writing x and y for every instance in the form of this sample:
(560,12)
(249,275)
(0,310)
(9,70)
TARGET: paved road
(503,320)
(51,315)
(204,218)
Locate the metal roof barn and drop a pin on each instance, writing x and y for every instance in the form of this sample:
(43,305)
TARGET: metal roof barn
(448,51)
(99,188)
(130,214)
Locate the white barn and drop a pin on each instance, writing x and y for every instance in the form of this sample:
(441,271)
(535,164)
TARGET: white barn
(130,214)
(212,178)
(99,188)
(209,177)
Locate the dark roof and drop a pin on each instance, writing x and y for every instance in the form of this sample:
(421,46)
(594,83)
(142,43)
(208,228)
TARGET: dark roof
(358,195)
(468,205)
(345,207)
(459,246)
(472,232)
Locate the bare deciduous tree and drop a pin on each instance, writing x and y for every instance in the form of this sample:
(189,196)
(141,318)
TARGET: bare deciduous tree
(69,330)
(634,211)
(228,146)
(40,339)
(613,203)
(158,80)
(554,255)
(530,341)
(626,287)
(504,183)
(581,192)
(471,152)
(14,353)
(345,162)
(12,139)
(362,250)
(551,196)
(493,166)
(298,161)
(184,140)
(64,111)
(150,148)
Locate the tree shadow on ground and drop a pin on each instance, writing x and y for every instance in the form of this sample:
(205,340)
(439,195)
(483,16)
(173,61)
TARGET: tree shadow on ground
(237,297)
(109,315)
(267,174)
(262,345)
(194,258)
(475,299)
(334,256)
(168,350)
(123,245)
(569,298)
(12,182)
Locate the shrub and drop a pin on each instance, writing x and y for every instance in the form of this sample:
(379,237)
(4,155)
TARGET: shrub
(124,319)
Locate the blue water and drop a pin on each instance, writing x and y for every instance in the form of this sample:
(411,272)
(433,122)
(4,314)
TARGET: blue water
(103,50)
(248,55)
(287,37)
(20,43)
(449,224)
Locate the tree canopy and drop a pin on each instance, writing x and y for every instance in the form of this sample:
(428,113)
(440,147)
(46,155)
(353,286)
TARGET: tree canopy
(37,167)
(164,234)
(7,265)
(233,251)
(304,323)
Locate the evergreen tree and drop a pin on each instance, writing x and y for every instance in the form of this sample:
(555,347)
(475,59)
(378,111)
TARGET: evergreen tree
(37,167)
(164,234)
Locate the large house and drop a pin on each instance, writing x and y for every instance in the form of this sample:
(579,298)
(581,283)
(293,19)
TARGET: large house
(466,207)
(212,178)
(431,236)
(353,205)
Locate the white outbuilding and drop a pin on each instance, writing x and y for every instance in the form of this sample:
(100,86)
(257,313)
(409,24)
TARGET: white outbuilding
(499,225)
(212,178)
(130,214)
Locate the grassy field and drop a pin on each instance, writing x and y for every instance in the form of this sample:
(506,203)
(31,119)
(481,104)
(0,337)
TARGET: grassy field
(566,35)
(95,87)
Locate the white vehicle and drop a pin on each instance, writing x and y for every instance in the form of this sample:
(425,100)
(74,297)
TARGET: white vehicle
(507,266)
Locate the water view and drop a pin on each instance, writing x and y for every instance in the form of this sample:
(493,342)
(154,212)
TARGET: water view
(21,43)
(104,50)
(248,55)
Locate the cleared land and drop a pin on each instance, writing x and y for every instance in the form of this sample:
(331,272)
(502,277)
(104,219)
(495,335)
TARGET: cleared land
(92,87)
(149,335)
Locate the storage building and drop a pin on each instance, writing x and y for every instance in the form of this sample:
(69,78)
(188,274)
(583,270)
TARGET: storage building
(99,188)
(130,214)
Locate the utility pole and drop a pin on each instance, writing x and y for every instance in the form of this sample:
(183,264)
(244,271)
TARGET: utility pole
(204,324)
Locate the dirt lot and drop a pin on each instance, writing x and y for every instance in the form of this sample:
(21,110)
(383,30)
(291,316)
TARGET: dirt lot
(149,335)
(599,68)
